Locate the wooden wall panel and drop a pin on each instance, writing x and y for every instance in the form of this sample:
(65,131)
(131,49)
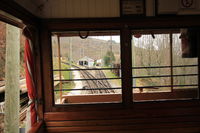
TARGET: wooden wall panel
(81,8)
(91,8)
(69,7)
(144,117)
(72,8)
(154,120)
(171,130)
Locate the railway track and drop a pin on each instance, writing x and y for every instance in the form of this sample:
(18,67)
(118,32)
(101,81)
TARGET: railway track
(103,83)
(23,109)
(94,86)
(91,84)
(23,106)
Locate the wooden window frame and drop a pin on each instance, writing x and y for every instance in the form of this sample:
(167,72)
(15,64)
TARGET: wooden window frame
(125,25)
(92,33)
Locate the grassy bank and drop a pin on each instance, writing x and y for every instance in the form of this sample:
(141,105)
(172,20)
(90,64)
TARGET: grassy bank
(65,75)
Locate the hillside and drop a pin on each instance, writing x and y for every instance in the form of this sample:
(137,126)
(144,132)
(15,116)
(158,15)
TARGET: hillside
(91,47)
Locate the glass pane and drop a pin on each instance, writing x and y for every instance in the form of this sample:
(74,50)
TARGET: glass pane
(186,69)
(148,51)
(86,67)
(151,61)
(158,75)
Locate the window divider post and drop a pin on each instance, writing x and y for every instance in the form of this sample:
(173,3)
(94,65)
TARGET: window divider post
(126,66)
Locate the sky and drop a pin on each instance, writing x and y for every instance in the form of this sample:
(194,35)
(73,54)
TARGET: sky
(114,38)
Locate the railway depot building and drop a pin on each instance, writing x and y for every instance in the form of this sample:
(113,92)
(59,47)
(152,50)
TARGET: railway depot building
(100,66)
(86,61)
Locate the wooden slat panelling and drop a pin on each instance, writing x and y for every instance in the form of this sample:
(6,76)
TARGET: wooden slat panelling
(176,119)
(83,7)
(121,114)
(177,130)
(76,10)
(80,9)
(162,117)
(91,8)
(125,127)
(115,7)
(158,130)
(69,7)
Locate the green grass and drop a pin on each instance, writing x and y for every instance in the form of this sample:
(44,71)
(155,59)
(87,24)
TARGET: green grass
(69,85)
(65,75)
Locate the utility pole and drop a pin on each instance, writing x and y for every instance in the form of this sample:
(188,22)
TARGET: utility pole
(59,66)
(12,90)
(70,57)
(111,43)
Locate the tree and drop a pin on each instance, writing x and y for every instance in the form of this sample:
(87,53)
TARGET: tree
(109,58)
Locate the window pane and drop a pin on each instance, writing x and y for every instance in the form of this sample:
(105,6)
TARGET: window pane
(88,68)
(186,69)
(150,58)
(158,74)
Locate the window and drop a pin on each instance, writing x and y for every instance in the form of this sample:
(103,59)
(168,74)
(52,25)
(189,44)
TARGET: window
(86,67)
(159,69)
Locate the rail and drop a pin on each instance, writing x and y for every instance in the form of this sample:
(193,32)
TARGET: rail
(187,90)
(95,83)
(23,106)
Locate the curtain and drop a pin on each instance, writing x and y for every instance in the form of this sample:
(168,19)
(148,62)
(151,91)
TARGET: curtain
(31,116)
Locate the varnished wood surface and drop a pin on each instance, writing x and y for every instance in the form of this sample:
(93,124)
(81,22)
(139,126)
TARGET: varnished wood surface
(81,8)
(176,119)
(120,114)
(38,73)
(146,117)
(126,65)
(138,117)
(47,73)
(109,98)
(116,23)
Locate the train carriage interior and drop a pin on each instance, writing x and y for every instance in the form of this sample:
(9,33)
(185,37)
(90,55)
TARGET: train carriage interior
(99,66)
